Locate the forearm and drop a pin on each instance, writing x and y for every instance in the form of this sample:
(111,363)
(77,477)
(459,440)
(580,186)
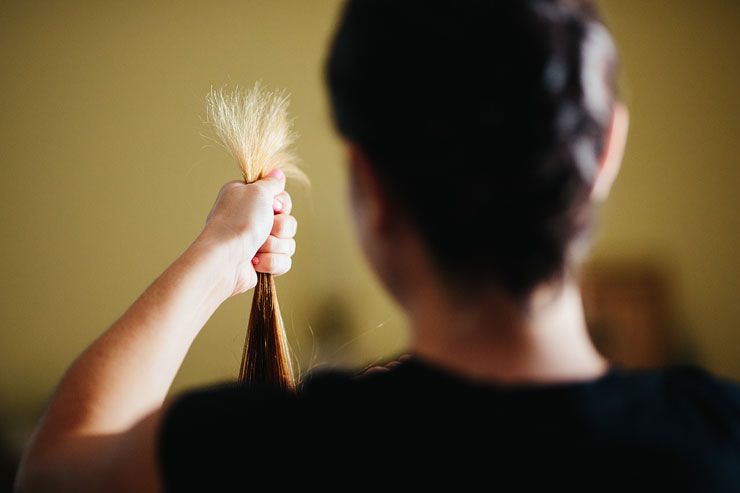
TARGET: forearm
(126,373)
(99,430)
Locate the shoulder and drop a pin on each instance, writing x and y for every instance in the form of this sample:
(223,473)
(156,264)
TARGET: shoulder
(218,404)
(210,434)
(216,435)
(676,395)
(714,399)
(687,376)
(704,410)
(325,378)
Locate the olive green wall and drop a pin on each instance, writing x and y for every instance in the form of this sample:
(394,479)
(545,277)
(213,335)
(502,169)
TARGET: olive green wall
(105,177)
(676,199)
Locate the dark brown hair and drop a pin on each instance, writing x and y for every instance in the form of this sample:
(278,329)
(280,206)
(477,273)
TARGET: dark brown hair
(513,97)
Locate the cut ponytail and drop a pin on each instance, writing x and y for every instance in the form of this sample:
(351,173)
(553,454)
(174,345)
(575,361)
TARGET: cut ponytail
(254,127)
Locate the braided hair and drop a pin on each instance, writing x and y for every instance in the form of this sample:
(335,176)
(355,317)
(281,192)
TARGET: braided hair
(515,95)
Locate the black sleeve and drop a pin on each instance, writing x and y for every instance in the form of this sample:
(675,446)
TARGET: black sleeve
(217,438)
(728,403)
(715,399)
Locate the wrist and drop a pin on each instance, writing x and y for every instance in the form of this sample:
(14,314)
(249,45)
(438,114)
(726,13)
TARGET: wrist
(220,261)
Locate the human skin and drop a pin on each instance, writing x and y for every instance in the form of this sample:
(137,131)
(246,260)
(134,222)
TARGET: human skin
(97,433)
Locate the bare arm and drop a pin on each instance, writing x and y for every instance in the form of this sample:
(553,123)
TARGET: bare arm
(98,432)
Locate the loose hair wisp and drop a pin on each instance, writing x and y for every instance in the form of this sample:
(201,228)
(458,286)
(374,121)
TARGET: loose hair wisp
(254,127)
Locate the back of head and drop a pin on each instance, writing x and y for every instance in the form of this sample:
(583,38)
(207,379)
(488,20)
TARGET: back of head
(512,98)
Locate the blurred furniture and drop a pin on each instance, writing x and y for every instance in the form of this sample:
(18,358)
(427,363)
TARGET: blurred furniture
(627,312)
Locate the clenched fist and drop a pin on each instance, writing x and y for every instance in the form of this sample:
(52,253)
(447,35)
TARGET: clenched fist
(254,221)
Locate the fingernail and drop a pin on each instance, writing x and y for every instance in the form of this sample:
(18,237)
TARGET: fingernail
(277,173)
(255,260)
(277,205)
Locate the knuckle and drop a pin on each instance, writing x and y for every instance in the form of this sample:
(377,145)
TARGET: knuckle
(261,192)
(229,189)
(231,185)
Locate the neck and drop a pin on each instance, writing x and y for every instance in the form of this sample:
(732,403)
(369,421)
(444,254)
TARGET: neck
(489,339)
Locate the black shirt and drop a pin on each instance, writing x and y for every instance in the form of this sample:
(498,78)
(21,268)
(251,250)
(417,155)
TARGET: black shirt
(418,425)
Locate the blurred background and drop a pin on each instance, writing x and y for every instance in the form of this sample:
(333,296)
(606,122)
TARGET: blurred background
(106,176)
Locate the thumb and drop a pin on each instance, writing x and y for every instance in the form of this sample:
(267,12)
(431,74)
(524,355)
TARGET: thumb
(273,182)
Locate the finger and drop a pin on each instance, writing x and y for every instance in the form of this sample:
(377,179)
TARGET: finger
(272,263)
(285,246)
(284,226)
(375,369)
(273,182)
(283,203)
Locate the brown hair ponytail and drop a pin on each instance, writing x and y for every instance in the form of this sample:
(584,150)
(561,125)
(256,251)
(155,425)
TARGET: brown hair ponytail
(254,127)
